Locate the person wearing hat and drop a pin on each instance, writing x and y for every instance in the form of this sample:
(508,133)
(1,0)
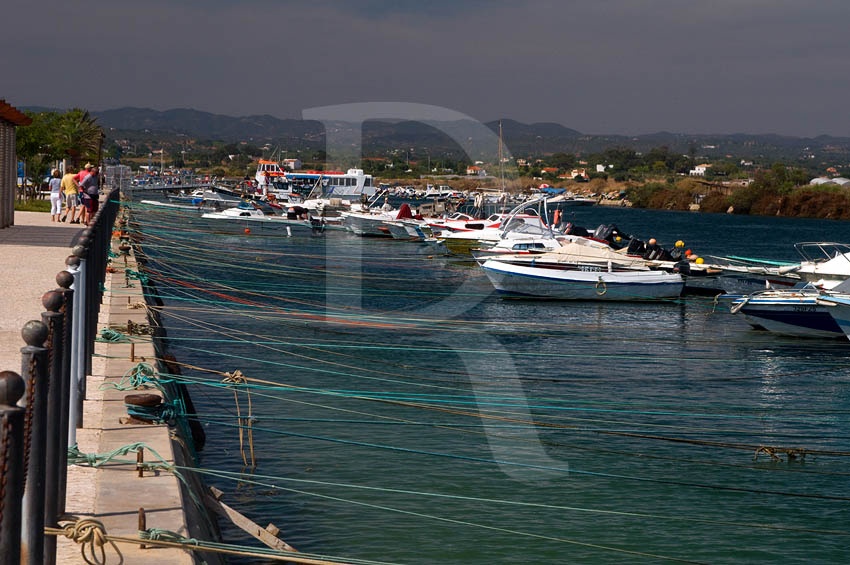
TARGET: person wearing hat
(84,172)
(55,185)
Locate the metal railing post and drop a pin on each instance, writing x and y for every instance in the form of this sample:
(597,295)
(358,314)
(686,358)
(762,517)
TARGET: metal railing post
(54,459)
(65,280)
(34,370)
(78,379)
(11,466)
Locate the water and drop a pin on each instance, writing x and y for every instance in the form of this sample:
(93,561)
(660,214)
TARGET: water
(626,431)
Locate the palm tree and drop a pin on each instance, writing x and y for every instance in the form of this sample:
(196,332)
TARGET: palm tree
(80,135)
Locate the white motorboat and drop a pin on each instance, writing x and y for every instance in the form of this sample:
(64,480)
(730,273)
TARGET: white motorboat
(375,222)
(522,226)
(250,219)
(824,264)
(582,281)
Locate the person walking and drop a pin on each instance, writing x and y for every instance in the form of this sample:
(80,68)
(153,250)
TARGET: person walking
(71,190)
(55,185)
(90,192)
(84,172)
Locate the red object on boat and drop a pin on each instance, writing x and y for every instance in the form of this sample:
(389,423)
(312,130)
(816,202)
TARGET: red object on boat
(404,213)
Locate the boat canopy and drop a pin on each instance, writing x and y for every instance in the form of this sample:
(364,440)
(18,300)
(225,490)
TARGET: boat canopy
(588,251)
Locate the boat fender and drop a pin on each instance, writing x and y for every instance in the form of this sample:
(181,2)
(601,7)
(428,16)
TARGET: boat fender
(601,287)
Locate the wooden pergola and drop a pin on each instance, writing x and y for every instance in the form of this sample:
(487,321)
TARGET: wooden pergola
(10,118)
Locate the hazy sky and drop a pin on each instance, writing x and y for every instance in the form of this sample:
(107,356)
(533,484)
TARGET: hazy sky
(600,66)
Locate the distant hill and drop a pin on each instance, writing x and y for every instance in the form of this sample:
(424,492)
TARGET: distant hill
(520,139)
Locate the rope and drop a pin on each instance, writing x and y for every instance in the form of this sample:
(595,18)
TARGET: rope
(156,534)
(136,276)
(143,375)
(167,411)
(237,379)
(110,335)
(91,535)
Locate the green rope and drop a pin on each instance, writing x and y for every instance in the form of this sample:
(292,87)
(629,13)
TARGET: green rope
(155,534)
(163,413)
(143,375)
(110,335)
(77,457)
(132,275)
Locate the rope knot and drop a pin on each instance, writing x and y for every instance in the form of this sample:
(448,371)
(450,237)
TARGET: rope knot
(234,378)
(91,535)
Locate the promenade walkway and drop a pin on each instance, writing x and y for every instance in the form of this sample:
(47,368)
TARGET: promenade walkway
(31,254)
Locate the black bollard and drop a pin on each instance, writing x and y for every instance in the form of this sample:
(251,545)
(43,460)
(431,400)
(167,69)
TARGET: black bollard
(64,279)
(54,459)
(34,370)
(11,466)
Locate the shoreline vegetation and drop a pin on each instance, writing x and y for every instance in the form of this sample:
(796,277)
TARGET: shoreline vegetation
(777,192)
(656,179)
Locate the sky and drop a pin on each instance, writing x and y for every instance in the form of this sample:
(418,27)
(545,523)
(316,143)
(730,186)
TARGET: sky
(599,66)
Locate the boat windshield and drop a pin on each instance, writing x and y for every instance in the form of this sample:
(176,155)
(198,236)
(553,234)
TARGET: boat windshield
(519,226)
(817,252)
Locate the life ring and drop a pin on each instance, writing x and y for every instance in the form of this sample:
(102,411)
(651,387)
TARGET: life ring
(604,287)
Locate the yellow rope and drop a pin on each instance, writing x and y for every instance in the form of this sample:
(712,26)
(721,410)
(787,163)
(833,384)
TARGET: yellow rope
(236,378)
(92,531)
(91,535)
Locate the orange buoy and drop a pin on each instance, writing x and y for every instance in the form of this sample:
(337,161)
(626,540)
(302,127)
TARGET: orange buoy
(556,219)
(247,231)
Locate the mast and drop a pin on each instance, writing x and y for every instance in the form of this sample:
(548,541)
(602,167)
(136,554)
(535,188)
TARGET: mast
(501,172)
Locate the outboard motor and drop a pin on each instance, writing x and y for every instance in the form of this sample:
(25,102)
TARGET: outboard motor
(683,267)
(652,251)
(636,247)
(665,255)
(578,231)
(602,232)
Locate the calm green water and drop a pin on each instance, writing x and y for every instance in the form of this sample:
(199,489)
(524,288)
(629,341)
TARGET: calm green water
(625,430)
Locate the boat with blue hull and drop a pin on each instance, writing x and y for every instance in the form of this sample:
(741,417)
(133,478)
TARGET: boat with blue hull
(796,313)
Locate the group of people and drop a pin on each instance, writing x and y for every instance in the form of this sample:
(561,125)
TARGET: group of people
(80,193)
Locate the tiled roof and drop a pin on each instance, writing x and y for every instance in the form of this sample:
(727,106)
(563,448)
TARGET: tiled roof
(12,114)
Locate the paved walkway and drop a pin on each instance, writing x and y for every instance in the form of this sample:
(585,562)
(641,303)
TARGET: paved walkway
(32,252)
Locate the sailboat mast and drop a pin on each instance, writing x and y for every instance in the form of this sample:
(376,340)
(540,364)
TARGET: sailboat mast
(501,172)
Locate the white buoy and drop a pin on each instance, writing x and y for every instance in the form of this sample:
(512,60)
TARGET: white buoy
(288,232)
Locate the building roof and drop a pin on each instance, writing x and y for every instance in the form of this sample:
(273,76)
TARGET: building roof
(12,114)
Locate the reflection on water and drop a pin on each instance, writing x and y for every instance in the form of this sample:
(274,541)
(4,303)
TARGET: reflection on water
(615,425)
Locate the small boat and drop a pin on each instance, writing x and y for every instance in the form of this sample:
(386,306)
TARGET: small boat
(582,281)
(800,312)
(839,304)
(248,217)
(463,242)
(375,223)
(825,264)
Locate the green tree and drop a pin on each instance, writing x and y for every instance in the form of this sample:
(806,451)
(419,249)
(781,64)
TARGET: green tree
(78,135)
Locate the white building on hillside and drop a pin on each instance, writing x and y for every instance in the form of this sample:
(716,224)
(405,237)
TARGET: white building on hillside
(699,170)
